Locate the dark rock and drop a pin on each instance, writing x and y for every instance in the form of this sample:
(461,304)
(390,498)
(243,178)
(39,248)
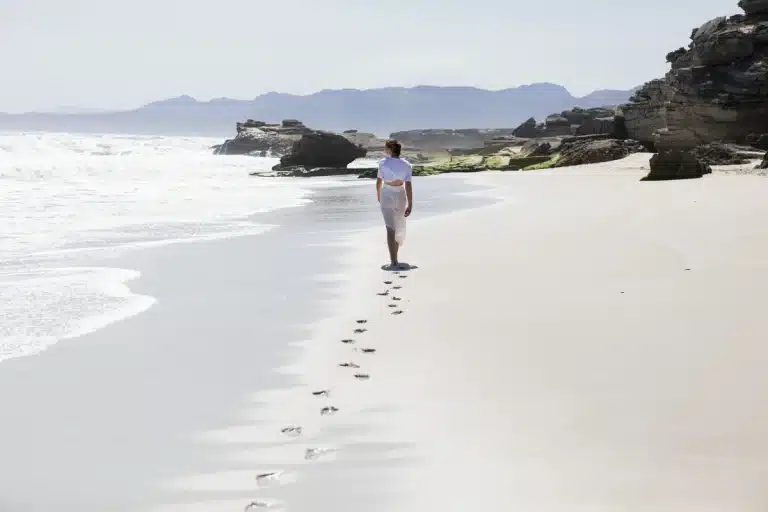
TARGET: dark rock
(557,125)
(676,165)
(527,130)
(764,163)
(321,149)
(596,125)
(260,138)
(596,151)
(754,6)
(536,148)
(576,121)
(759,141)
(720,154)
(299,171)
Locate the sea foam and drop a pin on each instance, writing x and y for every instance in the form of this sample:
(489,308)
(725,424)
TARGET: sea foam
(67,201)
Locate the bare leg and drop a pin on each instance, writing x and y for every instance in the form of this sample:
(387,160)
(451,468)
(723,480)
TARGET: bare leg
(393,247)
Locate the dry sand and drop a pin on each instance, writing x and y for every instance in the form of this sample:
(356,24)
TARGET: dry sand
(590,343)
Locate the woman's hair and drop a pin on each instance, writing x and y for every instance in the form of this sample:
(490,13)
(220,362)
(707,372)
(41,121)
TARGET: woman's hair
(395,147)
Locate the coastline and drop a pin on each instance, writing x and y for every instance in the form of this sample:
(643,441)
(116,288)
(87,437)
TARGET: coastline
(132,401)
(572,339)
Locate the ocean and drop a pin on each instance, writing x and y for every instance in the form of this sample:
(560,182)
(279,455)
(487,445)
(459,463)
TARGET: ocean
(67,200)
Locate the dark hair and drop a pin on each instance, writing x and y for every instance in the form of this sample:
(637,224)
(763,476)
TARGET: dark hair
(395,147)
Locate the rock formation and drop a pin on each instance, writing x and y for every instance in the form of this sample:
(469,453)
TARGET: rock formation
(676,165)
(445,140)
(580,152)
(261,139)
(723,154)
(321,150)
(716,90)
(764,163)
(577,121)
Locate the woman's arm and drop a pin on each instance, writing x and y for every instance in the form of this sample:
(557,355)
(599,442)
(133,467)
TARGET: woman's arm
(409,195)
(378,189)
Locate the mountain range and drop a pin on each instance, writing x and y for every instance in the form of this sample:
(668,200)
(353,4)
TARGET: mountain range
(380,111)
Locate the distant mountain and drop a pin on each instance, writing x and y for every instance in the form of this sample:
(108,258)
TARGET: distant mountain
(380,111)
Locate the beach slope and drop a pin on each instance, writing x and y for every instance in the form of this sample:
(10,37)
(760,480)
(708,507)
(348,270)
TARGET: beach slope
(592,342)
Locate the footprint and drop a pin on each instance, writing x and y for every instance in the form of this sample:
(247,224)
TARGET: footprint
(259,504)
(329,411)
(362,376)
(348,342)
(398,312)
(396,298)
(324,392)
(362,321)
(397,287)
(349,365)
(368,350)
(387,282)
(317,453)
(360,331)
(393,305)
(383,294)
(265,479)
(292,431)
(402,277)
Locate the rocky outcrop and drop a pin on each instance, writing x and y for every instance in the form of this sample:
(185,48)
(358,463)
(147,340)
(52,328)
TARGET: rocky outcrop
(722,154)
(321,150)
(577,121)
(764,163)
(478,163)
(527,130)
(676,165)
(445,140)
(536,148)
(580,152)
(716,89)
(262,139)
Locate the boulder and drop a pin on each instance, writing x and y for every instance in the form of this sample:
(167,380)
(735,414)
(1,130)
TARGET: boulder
(676,165)
(764,163)
(716,89)
(261,139)
(321,149)
(557,124)
(720,154)
(759,141)
(527,130)
(536,148)
(580,152)
(754,6)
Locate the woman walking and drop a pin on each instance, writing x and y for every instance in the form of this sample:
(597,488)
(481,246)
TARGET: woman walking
(395,194)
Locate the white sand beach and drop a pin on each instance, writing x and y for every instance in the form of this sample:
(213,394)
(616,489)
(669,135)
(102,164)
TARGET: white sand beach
(589,342)
(592,342)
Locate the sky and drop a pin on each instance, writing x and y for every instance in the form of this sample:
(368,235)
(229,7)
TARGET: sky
(120,55)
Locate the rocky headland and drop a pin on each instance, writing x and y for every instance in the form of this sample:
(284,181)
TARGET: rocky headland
(715,92)
(710,109)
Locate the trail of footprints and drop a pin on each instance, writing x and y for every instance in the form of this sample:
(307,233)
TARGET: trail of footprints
(296,431)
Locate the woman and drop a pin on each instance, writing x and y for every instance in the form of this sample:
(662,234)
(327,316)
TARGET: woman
(395,195)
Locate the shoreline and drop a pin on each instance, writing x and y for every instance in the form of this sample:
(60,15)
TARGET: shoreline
(228,313)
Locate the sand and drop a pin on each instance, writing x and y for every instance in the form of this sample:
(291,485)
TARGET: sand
(588,343)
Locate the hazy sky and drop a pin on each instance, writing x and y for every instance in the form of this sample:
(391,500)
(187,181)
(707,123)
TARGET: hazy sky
(104,53)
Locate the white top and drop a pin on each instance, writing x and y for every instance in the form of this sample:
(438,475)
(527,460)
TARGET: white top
(392,169)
